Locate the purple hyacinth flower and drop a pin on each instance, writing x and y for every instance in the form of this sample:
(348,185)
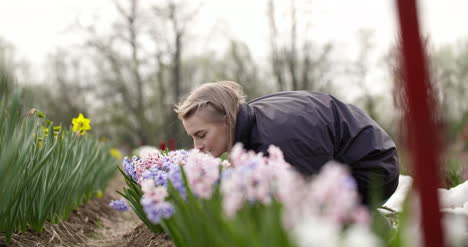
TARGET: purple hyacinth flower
(175,175)
(129,169)
(160,177)
(120,205)
(157,211)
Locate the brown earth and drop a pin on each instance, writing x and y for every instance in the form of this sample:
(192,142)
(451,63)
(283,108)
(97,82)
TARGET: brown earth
(94,224)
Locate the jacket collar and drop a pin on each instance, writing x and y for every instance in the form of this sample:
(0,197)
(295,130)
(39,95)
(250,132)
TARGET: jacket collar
(244,124)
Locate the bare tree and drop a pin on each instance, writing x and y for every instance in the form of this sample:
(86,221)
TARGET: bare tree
(275,53)
(131,28)
(308,71)
(6,68)
(69,87)
(122,70)
(291,58)
(358,70)
(450,68)
(7,55)
(316,69)
(175,18)
(238,65)
(9,60)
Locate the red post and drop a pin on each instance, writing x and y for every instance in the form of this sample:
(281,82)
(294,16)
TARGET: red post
(422,131)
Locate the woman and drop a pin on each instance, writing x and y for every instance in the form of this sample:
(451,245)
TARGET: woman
(311,128)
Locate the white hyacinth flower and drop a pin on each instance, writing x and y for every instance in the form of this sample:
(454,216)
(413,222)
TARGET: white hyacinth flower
(358,236)
(314,231)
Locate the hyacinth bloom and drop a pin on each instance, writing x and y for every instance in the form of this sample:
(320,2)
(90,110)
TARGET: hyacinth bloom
(328,199)
(151,192)
(153,201)
(319,231)
(120,205)
(155,165)
(162,174)
(129,169)
(202,173)
(240,157)
(178,157)
(147,161)
(153,171)
(332,194)
(226,164)
(250,179)
(157,211)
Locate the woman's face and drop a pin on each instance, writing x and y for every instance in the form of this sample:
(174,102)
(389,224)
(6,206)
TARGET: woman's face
(209,135)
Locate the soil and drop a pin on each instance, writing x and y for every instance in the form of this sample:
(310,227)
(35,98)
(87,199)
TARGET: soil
(94,224)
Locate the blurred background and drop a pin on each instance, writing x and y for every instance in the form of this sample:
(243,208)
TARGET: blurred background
(125,63)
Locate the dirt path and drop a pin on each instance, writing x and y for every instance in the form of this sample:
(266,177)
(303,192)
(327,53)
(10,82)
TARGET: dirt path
(124,229)
(114,229)
(94,224)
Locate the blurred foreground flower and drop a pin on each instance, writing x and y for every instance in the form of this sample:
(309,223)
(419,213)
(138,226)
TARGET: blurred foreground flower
(181,192)
(81,124)
(202,173)
(120,205)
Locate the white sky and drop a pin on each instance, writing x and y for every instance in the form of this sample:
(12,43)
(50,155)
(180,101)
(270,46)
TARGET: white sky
(36,27)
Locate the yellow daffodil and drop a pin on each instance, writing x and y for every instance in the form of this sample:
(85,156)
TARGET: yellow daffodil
(45,130)
(81,124)
(39,141)
(116,153)
(40,114)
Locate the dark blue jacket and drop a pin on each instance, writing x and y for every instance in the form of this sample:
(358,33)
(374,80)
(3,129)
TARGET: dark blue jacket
(312,128)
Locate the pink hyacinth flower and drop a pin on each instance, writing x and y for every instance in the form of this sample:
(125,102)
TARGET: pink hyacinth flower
(202,173)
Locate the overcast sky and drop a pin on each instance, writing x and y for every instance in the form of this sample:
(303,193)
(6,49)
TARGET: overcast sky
(36,27)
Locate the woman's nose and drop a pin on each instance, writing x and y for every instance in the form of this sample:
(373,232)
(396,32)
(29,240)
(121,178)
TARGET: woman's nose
(198,145)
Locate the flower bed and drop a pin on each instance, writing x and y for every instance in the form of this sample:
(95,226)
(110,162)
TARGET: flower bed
(46,171)
(250,201)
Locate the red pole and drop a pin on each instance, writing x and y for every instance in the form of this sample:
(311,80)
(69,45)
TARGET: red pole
(422,130)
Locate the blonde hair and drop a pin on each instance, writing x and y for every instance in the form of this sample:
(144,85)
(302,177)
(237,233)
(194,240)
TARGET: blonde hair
(221,98)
